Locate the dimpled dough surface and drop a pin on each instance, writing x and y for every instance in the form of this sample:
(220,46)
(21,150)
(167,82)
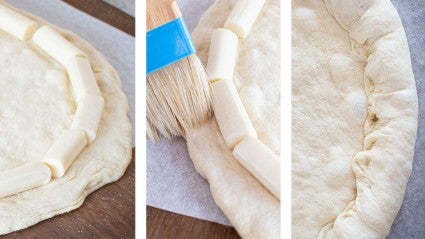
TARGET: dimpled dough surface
(36,107)
(354,118)
(251,208)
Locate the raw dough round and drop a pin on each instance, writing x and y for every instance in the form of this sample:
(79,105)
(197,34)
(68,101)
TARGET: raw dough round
(354,118)
(36,107)
(250,207)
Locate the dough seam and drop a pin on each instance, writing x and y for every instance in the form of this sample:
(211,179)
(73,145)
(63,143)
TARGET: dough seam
(373,126)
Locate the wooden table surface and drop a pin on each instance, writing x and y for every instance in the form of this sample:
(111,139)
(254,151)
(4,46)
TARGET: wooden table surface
(115,217)
(106,213)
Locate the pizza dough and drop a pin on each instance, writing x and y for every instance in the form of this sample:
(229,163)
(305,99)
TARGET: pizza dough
(354,118)
(250,207)
(36,107)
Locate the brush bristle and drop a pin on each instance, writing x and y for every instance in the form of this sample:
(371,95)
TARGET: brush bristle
(178,99)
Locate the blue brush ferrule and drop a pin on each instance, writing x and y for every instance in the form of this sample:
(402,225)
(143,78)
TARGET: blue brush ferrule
(167,44)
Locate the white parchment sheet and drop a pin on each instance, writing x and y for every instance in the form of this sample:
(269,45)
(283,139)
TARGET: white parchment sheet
(172,182)
(127,6)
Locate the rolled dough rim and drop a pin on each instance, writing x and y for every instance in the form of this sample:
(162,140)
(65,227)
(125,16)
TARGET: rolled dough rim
(360,164)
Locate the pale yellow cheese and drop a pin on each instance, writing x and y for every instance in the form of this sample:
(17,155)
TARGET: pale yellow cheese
(54,44)
(22,178)
(82,78)
(222,54)
(64,151)
(230,113)
(260,161)
(243,16)
(16,24)
(88,115)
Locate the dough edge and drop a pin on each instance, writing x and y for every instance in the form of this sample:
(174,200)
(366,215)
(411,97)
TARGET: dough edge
(249,206)
(371,213)
(10,221)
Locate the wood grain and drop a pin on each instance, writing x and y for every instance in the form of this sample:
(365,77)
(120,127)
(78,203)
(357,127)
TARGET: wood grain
(160,12)
(107,213)
(162,225)
(107,13)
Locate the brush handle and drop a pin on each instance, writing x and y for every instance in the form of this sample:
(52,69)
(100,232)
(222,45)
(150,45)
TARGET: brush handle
(160,12)
(167,38)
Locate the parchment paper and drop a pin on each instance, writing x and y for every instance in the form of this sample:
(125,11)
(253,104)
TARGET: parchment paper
(172,182)
(117,46)
(127,6)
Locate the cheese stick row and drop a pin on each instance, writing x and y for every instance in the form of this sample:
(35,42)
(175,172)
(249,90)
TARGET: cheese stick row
(87,96)
(243,15)
(233,120)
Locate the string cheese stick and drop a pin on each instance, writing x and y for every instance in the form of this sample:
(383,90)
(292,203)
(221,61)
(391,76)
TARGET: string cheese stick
(64,151)
(25,177)
(243,15)
(54,44)
(16,24)
(230,113)
(87,116)
(259,160)
(81,77)
(222,54)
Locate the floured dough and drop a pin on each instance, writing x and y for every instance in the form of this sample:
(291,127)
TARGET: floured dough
(36,107)
(250,207)
(354,118)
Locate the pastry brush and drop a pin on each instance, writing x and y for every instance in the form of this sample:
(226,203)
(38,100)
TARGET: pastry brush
(178,96)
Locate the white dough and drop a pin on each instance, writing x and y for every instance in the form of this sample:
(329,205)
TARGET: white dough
(251,208)
(64,150)
(354,118)
(24,177)
(35,110)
